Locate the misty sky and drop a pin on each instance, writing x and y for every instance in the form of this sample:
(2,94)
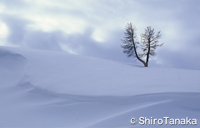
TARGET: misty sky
(95,27)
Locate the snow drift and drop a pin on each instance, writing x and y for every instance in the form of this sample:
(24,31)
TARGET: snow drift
(50,89)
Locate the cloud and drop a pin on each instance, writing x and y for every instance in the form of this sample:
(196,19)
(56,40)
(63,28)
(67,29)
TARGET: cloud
(21,35)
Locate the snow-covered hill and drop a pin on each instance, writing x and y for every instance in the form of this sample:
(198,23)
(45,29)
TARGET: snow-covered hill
(50,89)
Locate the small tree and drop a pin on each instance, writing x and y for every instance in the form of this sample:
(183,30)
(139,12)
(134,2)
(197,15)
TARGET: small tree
(148,44)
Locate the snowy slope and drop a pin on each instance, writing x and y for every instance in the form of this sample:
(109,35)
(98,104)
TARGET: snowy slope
(50,89)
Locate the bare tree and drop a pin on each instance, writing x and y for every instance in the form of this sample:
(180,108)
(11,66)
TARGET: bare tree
(148,44)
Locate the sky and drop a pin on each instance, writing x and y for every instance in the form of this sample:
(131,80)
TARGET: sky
(95,28)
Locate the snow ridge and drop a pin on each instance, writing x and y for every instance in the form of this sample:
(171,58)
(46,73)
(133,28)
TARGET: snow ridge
(51,89)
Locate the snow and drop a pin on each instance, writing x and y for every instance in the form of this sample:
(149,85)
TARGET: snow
(52,89)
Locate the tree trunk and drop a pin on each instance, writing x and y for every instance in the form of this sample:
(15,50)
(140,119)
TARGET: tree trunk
(137,55)
(147,59)
(142,61)
(133,41)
